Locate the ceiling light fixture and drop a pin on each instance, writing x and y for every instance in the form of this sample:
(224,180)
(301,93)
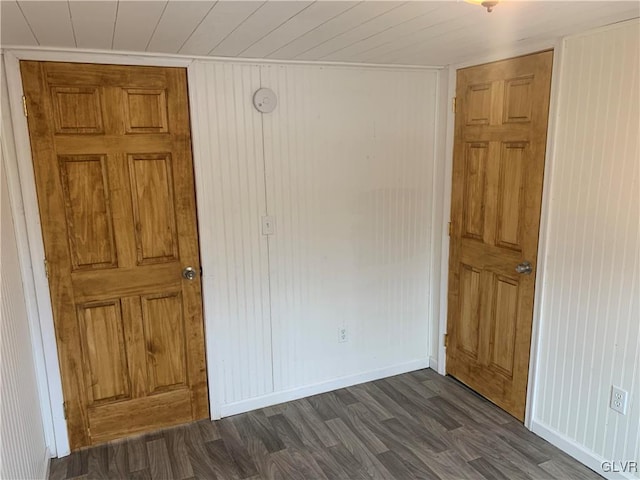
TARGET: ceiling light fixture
(488,4)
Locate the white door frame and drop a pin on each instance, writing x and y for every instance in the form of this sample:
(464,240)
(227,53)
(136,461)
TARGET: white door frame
(22,186)
(506,53)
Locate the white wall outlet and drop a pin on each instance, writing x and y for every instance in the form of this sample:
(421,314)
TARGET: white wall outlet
(342,334)
(618,400)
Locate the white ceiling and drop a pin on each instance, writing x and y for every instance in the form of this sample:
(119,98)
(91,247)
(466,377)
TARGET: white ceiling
(388,32)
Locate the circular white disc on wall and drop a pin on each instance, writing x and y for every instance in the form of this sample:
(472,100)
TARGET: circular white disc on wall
(265,100)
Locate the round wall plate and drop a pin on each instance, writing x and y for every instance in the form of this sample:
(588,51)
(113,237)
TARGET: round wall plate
(265,100)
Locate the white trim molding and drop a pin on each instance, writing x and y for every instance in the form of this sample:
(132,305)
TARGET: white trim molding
(543,240)
(31,256)
(588,458)
(323,387)
(54,54)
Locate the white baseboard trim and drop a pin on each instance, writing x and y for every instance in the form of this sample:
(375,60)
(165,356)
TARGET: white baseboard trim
(46,464)
(322,387)
(579,452)
(433,363)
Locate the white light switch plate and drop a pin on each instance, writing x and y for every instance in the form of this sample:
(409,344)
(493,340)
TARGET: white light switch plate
(268,225)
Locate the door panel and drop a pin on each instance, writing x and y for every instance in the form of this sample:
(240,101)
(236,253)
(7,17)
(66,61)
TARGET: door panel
(518,100)
(114,177)
(505,302)
(164,337)
(474,185)
(145,110)
(85,189)
(153,208)
(102,338)
(510,188)
(500,138)
(77,110)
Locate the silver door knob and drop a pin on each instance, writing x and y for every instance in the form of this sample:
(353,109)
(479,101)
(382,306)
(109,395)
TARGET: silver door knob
(189,273)
(524,268)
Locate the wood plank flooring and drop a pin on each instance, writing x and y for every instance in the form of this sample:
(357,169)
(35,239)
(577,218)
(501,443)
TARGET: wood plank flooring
(419,425)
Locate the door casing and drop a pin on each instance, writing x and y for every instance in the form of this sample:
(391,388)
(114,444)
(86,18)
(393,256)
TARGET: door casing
(440,352)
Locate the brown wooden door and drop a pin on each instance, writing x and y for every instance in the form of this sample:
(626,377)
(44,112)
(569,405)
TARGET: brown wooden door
(500,137)
(112,159)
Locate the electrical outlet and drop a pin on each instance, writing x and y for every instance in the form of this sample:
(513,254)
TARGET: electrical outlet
(618,400)
(342,334)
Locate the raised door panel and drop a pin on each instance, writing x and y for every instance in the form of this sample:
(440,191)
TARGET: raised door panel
(103,347)
(503,331)
(518,100)
(512,165)
(111,420)
(153,208)
(478,104)
(145,110)
(475,171)
(165,340)
(468,331)
(77,110)
(85,190)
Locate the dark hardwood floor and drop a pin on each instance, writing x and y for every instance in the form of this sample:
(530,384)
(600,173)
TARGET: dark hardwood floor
(413,426)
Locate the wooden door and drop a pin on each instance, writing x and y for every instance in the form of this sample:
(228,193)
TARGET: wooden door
(500,137)
(112,160)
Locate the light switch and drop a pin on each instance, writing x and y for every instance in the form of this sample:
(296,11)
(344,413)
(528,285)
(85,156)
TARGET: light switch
(268,225)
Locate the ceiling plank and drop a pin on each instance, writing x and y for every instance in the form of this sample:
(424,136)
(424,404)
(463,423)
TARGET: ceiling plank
(50,22)
(267,18)
(496,35)
(380,32)
(601,14)
(135,23)
(178,22)
(431,36)
(14,29)
(93,23)
(528,24)
(223,19)
(402,13)
(306,20)
(440,14)
(351,18)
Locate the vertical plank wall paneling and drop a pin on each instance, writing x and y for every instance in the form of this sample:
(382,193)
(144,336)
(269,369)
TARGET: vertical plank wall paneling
(23,452)
(590,317)
(348,160)
(229,171)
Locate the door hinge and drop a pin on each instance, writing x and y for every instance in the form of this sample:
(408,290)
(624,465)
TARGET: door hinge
(450,228)
(64,407)
(446,340)
(46,268)
(24,106)
(453,104)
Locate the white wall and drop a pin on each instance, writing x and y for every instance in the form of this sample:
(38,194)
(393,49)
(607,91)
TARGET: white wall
(590,309)
(345,165)
(23,453)
(229,164)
